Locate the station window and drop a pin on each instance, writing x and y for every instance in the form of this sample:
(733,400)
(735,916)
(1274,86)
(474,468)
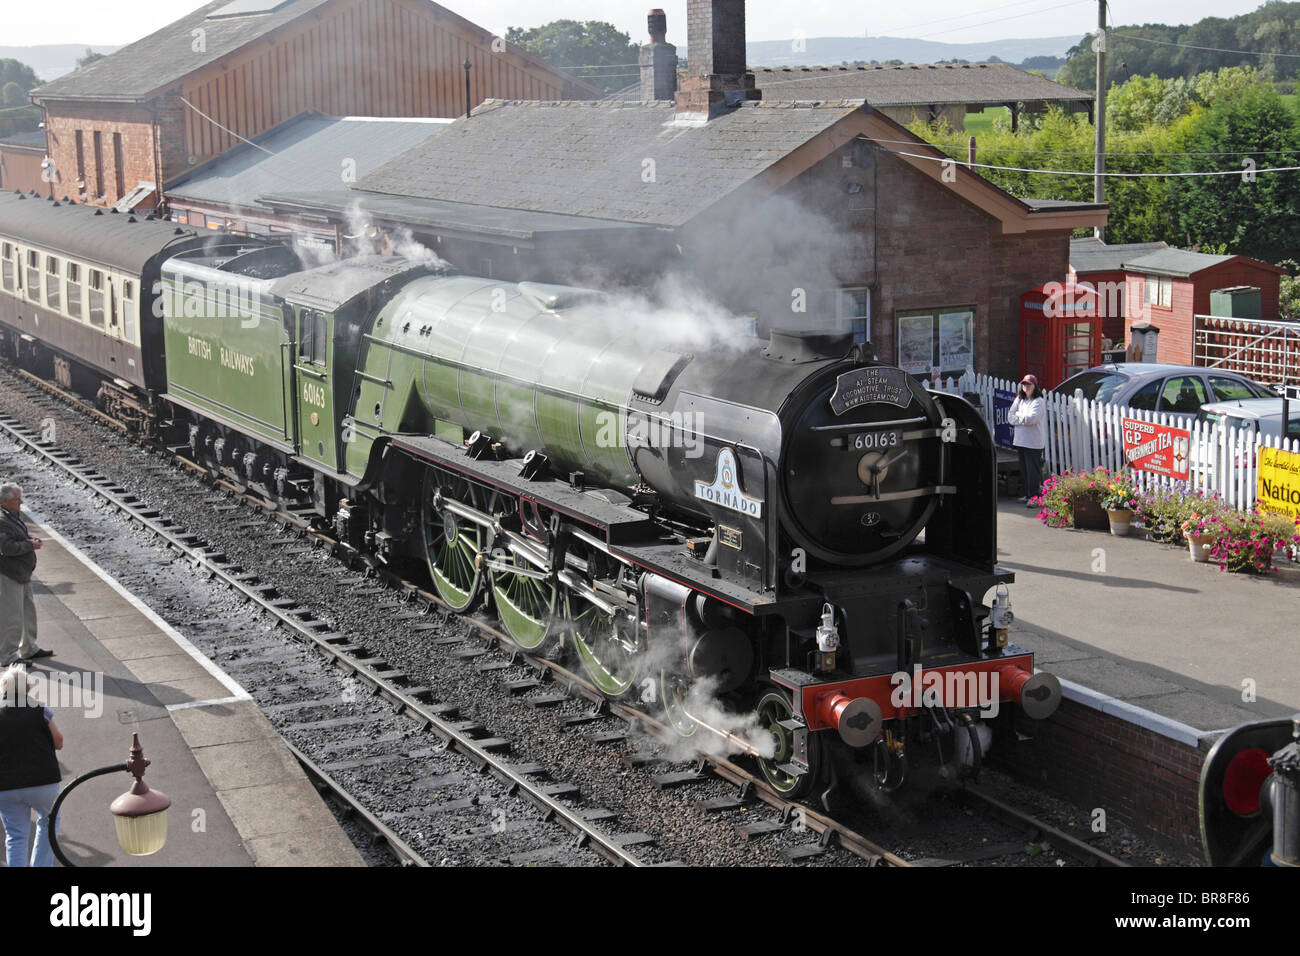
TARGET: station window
(96,298)
(1160,292)
(53,283)
(33,275)
(7,267)
(74,291)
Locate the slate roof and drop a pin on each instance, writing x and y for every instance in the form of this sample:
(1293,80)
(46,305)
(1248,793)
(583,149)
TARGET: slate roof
(442,215)
(35,139)
(1157,258)
(1174,262)
(983,84)
(628,162)
(1093,255)
(306,153)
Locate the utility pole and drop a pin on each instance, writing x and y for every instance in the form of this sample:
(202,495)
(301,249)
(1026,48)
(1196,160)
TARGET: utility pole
(1099,106)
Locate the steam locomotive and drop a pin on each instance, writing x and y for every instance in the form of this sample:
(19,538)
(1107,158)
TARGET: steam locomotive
(785,533)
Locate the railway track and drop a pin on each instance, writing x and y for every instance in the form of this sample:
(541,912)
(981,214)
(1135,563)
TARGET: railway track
(827,837)
(467,738)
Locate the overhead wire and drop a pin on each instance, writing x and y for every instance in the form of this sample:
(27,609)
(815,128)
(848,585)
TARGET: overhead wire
(1089,173)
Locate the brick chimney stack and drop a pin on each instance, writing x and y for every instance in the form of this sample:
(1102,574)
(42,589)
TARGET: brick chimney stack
(717,77)
(658,61)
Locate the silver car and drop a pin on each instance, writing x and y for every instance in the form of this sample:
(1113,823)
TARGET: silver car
(1149,386)
(1255,416)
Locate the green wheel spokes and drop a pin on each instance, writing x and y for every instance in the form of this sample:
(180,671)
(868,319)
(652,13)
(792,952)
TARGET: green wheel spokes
(452,544)
(674,691)
(526,605)
(774,707)
(607,647)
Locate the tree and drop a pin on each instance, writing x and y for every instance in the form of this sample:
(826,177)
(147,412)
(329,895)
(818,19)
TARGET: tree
(89,57)
(1255,214)
(18,115)
(593,50)
(1205,46)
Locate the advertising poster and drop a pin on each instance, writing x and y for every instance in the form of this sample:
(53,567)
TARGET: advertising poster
(1156,448)
(1003,431)
(1278,490)
(916,343)
(956,341)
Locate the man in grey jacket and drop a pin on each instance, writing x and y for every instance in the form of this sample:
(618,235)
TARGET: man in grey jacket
(17,562)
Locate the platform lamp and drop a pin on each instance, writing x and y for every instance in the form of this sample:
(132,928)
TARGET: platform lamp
(140,814)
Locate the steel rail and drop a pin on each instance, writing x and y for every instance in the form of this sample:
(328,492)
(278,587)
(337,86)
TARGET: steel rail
(399,847)
(1071,845)
(217,565)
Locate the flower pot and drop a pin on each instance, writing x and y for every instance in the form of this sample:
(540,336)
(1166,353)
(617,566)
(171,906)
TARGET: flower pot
(1200,547)
(1088,515)
(1119,520)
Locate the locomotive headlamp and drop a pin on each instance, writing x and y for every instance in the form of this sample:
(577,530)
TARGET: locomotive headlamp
(1000,616)
(828,640)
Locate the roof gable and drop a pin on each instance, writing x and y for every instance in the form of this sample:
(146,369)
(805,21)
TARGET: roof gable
(218,29)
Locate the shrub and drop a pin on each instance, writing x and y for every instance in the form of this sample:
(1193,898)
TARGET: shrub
(1246,543)
(1061,492)
(1170,514)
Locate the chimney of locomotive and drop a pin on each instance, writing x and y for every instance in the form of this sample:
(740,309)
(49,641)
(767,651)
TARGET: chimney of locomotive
(658,61)
(717,76)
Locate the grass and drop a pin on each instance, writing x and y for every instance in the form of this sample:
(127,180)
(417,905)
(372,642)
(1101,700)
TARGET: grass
(978,124)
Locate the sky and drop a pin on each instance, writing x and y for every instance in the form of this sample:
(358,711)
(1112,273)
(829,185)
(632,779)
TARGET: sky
(116,22)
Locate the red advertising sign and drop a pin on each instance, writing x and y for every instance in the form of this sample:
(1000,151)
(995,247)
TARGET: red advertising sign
(1156,448)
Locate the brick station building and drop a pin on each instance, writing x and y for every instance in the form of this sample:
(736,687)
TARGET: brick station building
(123,126)
(804,214)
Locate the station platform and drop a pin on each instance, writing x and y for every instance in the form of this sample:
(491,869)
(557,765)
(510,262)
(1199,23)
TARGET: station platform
(239,798)
(1141,623)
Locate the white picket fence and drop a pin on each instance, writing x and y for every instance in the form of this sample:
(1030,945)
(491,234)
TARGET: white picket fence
(1083,434)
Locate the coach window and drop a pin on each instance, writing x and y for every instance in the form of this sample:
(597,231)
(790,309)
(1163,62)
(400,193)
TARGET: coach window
(74,291)
(7,267)
(96,298)
(53,282)
(128,311)
(33,275)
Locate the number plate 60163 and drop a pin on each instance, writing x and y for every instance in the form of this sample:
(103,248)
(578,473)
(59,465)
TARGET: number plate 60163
(868,441)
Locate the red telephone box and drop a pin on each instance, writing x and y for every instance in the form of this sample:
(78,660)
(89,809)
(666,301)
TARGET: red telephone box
(1060,331)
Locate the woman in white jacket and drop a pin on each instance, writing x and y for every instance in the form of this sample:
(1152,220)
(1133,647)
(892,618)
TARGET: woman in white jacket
(1029,415)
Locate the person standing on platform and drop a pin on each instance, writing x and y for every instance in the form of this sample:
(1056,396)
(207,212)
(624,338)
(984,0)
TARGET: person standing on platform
(17,563)
(29,769)
(1029,415)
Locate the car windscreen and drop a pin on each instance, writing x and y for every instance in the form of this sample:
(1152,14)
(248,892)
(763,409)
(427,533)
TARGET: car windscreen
(1100,386)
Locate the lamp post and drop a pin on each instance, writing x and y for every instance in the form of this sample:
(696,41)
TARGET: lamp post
(140,814)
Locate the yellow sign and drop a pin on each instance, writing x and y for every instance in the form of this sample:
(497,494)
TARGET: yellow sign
(1279,482)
